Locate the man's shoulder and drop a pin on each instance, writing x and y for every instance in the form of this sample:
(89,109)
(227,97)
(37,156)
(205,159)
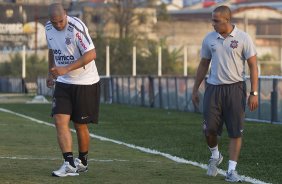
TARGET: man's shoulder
(48,26)
(76,24)
(241,33)
(211,35)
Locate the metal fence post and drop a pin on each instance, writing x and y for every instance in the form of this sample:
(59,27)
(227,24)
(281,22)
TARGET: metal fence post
(274,100)
(167,92)
(122,89)
(128,88)
(160,92)
(176,92)
(117,90)
(259,98)
(142,93)
(151,91)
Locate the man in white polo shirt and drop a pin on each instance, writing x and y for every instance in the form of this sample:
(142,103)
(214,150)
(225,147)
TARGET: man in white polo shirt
(226,49)
(77,90)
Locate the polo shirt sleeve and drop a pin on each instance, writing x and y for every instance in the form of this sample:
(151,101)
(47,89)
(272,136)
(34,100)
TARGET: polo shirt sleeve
(205,51)
(249,49)
(48,44)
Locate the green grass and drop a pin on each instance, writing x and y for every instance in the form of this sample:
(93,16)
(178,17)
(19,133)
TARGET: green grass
(176,133)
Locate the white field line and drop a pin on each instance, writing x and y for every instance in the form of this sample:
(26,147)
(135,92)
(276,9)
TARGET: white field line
(89,160)
(146,150)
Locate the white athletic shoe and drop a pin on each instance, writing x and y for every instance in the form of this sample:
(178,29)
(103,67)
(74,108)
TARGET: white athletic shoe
(65,170)
(233,176)
(80,167)
(213,163)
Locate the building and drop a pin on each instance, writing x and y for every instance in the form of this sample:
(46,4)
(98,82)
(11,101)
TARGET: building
(188,27)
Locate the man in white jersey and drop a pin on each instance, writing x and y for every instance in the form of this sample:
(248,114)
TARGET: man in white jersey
(226,50)
(77,90)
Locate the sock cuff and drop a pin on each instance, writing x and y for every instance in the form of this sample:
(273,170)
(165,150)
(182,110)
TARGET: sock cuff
(214,148)
(232,162)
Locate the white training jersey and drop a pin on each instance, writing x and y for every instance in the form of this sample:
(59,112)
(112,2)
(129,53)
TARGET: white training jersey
(69,45)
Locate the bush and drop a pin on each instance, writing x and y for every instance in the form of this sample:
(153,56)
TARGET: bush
(35,67)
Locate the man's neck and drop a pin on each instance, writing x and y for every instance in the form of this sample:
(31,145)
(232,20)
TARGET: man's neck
(228,31)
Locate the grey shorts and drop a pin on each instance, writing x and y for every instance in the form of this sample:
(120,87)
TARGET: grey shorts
(81,102)
(224,104)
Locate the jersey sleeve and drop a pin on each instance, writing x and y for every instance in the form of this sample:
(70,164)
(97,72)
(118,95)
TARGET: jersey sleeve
(48,27)
(48,44)
(249,49)
(205,51)
(83,40)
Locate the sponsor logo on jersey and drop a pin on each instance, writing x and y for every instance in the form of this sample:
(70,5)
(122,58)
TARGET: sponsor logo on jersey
(62,59)
(80,41)
(57,51)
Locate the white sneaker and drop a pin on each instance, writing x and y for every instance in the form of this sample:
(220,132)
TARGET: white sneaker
(65,170)
(213,163)
(80,167)
(232,176)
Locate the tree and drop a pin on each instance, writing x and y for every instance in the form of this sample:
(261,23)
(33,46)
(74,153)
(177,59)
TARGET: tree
(163,13)
(127,15)
(122,12)
(35,67)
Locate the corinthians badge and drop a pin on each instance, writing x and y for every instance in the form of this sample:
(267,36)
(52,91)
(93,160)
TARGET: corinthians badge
(234,44)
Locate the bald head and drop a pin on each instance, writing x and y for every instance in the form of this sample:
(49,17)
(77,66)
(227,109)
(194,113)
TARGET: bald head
(56,9)
(224,11)
(57,16)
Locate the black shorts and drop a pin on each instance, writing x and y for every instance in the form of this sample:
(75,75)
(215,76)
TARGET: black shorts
(81,102)
(224,103)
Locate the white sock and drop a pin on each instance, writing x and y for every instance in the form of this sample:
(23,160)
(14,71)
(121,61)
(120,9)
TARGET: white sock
(215,152)
(232,165)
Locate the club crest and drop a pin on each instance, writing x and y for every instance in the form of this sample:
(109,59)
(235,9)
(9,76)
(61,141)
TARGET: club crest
(68,41)
(234,44)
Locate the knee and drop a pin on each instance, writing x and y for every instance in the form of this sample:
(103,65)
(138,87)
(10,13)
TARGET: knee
(80,127)
(209,130)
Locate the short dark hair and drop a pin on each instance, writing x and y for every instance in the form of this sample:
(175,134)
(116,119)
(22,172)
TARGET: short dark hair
(224,10)
(56,9)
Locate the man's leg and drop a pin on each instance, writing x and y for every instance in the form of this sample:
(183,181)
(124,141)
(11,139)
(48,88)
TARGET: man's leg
(65,142)
(64,136)
(63,132)
(234,152)
(234,113)
(211,141)
(83,138)
(212,126)
(213,146)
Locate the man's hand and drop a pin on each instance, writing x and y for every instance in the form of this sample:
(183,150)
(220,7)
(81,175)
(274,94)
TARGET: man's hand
(196,100)
(50,81)
(253,102)
(59,70)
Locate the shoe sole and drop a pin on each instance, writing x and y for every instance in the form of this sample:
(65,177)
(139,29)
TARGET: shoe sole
(82,171)
(68,174)
(239,181)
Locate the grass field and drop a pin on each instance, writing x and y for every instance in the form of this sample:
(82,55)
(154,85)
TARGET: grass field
(176,133)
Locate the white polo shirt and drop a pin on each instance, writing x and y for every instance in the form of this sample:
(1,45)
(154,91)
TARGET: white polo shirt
(228,56)
(69,45)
